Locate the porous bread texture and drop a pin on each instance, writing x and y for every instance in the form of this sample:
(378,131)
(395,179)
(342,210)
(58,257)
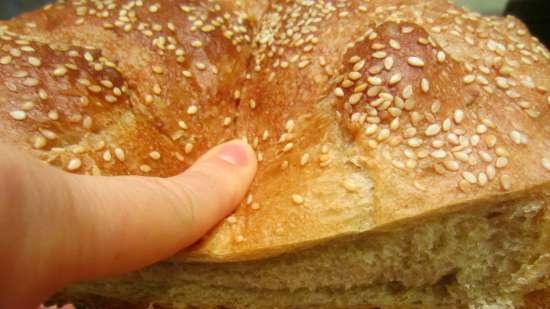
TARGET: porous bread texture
(492,257)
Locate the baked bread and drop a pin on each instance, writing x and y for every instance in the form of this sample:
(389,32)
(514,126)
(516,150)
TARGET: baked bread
(404,145)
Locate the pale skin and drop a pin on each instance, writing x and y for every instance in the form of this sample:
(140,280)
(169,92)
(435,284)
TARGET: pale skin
(58,228)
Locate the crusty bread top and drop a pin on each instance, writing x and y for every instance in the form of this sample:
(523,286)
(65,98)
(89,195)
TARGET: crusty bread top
(363,113)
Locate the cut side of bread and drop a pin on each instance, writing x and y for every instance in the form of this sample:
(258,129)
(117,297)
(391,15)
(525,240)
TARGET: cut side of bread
(491,257)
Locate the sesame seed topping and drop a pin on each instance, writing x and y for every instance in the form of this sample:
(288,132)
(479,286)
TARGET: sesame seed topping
(192,110)
(155,155)
(107,156)
(60,71)
(506,182)
(355,98)
(441,56)
(395,44)
(18,115)
(451,165)
(546,163)
(5,60)
(119,154)
(433,129)
(39,142)
(34,61)
(304,159)
(288,147)
(415,61)
(469,177)
(298,199)
(74,164)
(196,44)
(468,79)
(458,116)
(501,162)
(145,168)
(395,78)
(425,85)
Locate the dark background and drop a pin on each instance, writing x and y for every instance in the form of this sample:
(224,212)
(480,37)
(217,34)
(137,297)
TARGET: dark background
(535,13)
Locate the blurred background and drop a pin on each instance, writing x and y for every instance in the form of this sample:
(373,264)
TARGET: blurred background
(535,13)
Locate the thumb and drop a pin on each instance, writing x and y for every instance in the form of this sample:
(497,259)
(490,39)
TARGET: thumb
(73,227)
(128,222)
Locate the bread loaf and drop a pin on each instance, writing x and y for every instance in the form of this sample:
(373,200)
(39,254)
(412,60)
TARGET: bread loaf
(404,145)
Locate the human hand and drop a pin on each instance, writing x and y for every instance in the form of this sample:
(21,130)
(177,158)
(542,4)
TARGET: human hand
(58,228)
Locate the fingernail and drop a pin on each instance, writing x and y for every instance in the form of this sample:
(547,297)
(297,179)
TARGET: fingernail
(235,154)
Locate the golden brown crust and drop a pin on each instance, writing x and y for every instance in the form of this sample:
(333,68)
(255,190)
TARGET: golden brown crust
(365,114)
(470,94)
(181,64)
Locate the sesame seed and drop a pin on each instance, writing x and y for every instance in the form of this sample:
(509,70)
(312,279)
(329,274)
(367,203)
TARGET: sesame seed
(227,121)
(501,162)
(482,179)
(157,69)
(297,199)
(39,142)
(288,147)
(107,156)
(255,206)
(359,66)
(34,61)
(388,63)
(188,148)
(355,98)
(18,115)
(451,165)
(74,164)
(468,79)
(119,154)
(339,92)
(415,142)
(5,60)
(53,115)
(191,110)
(546,163)
(502,82)
(395,44)
(458,116)
(425,85)
(349,185)
(433,130)
(375,80)
(145,168)
(304,159)
(395,78)
(354,75)
(407,92)
(438,154)
(196,44)
(469,177)
(506,182)
(441,56)
(60,71)
(415,61)
(30,82)
(481,129)
(516,137)
(303,64)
